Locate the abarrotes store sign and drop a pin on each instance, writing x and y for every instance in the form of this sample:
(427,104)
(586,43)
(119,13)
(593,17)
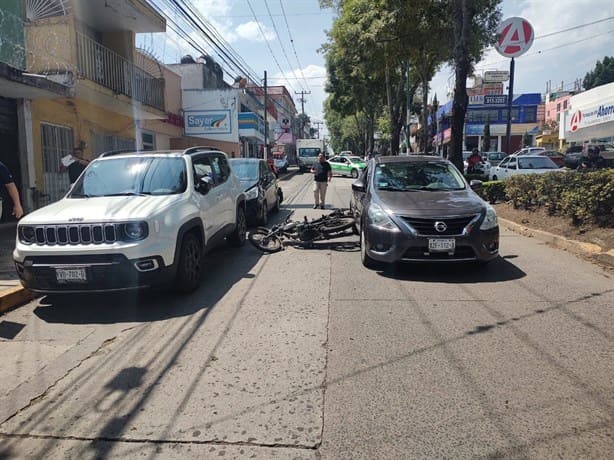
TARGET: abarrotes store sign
(591,114)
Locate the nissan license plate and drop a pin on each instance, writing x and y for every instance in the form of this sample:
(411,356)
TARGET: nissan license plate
(442,245)
(70,275)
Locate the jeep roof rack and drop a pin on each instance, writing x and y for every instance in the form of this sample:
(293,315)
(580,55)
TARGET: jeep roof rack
(199,148)
(110,153)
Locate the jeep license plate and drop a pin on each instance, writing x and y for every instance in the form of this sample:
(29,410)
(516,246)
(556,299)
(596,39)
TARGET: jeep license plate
(70,275)
(442,245)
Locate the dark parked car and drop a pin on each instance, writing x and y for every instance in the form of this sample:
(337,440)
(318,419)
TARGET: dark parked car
(573,156)
(262,190)
(420,208)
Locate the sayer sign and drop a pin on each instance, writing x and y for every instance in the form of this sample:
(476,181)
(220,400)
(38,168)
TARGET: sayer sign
(515,37)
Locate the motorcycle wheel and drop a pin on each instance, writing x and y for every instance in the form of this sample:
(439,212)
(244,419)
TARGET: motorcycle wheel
(337,224)
(262,239)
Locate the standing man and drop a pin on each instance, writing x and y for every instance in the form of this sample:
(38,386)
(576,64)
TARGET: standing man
(77,166)
(7,179)
(322,175)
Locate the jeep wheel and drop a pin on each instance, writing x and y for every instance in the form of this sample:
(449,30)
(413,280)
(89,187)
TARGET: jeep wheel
(189,271)
(238,236)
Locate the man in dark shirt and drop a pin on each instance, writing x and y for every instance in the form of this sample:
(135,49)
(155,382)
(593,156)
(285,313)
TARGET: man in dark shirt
(322,175)
(77,166)
(7,179)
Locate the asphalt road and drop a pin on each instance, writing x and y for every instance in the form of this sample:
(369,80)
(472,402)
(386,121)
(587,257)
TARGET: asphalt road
(306,354)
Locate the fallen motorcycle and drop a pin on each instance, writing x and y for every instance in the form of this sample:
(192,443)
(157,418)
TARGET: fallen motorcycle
(337,224)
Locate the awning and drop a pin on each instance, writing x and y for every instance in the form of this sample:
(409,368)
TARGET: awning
(16,84)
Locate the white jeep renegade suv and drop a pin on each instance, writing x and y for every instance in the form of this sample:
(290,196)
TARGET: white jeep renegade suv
(133,220)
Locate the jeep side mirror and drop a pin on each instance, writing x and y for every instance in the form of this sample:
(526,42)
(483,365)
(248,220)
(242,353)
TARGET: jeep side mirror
(204,185)
(475,184)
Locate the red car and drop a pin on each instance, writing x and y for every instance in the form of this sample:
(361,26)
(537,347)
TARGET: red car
(555,156)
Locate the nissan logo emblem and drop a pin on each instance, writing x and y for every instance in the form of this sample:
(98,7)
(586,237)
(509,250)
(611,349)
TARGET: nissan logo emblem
(440,226)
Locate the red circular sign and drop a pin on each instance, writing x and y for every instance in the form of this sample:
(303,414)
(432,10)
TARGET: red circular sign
(515,37)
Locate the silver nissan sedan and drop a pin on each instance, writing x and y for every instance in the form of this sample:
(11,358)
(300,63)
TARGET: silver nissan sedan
(421,209)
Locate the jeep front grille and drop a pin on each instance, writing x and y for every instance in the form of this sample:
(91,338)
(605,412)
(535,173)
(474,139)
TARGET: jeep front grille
(73,234)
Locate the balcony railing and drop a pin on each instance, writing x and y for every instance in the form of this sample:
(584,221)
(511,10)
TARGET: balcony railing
(107,68)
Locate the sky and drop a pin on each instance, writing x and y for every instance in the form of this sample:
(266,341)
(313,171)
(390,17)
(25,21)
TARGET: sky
(283,37)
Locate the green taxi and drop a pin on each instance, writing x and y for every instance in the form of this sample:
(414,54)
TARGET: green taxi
(347,166)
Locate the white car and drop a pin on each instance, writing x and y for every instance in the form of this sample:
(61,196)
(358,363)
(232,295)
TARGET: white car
(523,164)
(131,221)
(281,163)
(529,150)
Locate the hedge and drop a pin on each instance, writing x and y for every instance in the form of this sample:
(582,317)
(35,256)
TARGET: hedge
(584,197)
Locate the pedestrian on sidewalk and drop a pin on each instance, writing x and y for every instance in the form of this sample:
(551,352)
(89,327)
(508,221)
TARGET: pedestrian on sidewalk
(322,175)
(7,179)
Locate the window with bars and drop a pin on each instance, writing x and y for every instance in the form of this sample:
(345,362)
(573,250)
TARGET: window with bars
(56,142)
(106,142)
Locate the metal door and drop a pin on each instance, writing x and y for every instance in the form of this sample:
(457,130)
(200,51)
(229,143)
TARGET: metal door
(57,142)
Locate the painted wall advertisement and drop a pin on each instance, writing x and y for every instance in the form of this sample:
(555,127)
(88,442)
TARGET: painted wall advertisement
(211,114)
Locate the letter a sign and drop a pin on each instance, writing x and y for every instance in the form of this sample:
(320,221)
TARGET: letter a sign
(515,37)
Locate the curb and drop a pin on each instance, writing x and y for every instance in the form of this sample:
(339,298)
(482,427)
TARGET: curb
(14,297)
(573,246)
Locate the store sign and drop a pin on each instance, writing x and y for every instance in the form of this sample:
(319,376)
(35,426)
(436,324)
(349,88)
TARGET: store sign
(476,100)
(492,76)
(207,122)
(499,99)
(515,37)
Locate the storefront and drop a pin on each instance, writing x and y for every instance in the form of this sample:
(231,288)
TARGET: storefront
(591,116)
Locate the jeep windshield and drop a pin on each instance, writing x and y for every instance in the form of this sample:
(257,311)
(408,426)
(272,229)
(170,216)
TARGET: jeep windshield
(130,176)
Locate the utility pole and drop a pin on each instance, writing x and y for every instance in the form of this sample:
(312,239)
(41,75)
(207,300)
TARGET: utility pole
(266,123)
(318,123)
(302,99)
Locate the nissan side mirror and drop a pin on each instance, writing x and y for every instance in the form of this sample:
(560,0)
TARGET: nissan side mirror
(358,186)
(475,184)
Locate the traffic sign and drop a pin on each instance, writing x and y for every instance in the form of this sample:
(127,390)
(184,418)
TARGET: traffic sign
(492,76)
(515,37)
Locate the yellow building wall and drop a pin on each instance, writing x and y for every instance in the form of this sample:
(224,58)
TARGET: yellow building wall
(83,118)
(51,45)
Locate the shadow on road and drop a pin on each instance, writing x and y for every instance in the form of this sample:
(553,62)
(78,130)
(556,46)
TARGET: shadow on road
(498,270)
(223,268)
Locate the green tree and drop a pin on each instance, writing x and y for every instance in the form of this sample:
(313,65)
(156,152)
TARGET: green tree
(474,25)
(602,74)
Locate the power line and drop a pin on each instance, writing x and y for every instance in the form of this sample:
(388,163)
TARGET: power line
(575,27)
(267,42)
(300,67)
(283,49)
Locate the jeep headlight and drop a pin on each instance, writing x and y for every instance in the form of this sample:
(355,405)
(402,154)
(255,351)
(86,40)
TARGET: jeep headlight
(26,234)
(134,231)
(490,221)
(379,218)
(252,193)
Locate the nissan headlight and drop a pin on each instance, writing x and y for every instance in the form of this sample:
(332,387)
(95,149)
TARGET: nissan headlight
(490,221)
(252,193)
(379,218)
(134,231)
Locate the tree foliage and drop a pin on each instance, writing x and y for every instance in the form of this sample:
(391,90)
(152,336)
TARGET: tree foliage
(379,51)
(602,74)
